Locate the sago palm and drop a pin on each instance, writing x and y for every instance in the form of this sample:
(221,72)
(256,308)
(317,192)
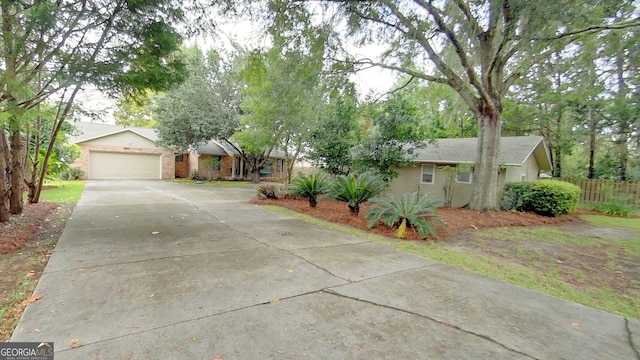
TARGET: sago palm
(410,210)
(355,190)
(310,187)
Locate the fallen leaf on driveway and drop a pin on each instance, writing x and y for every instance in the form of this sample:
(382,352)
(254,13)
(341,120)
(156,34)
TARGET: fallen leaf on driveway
(575,324)
(221,357)
(30,299)
(275,301)
(278,351)
(289,270)
(155,232)
(75,343)
(35,329)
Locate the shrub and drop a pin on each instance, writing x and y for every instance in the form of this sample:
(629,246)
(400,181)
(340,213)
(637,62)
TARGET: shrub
(409,211)
(310,187)
(73,173)
(270,191)
(543,197)
(611,208)
(512,196)
(355,190)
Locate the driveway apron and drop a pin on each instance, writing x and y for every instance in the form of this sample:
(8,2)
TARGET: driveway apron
(160,270)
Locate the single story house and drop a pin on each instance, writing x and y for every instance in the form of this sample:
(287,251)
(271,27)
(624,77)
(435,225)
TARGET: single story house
(445,169)
(119,152)
(112,152)
(219,160)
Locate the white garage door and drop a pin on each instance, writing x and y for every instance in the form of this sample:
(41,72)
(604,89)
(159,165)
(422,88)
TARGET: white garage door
(122,166)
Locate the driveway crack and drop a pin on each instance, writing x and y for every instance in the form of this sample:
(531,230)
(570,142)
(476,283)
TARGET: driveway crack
(630,335)
(482,336)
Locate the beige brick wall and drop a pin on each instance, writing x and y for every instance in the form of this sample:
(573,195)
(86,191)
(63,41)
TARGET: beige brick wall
(167,156)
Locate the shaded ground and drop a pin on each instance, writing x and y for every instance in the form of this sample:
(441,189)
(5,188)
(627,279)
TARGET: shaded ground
(26,242)
(456,219)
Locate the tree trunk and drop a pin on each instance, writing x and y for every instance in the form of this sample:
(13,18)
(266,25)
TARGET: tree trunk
(4,170)
(557,162)
(255,174)
(15,196)
(592,145)
(487,169)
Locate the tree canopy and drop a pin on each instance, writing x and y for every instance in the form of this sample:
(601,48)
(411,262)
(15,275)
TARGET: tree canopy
(478,48)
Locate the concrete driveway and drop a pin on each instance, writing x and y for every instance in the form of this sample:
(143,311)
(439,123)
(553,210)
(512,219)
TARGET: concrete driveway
(158,270)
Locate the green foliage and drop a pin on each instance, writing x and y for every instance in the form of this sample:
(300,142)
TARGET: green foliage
(310,187)
(334,136)
(611,208)
(204,107)
(392,139)
(282,95)
(270,191)
(72,173)
(211,164)
(67,192)
(356,189)
(409,211)
(137,111)
(544,197)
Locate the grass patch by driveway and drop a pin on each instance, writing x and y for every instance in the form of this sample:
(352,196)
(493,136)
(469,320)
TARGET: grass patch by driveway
(594,263)
(63,192)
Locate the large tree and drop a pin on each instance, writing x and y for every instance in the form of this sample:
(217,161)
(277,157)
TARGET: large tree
(54,49)
(204,107)
(283,95)
(478,48)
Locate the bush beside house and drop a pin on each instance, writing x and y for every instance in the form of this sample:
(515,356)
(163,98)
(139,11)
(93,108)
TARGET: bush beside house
(543,197)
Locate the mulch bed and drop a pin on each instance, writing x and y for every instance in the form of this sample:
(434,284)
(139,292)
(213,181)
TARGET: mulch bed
(455,219)
(17,231)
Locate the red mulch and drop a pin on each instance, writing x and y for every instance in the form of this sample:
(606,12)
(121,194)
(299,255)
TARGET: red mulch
(17,231)
(455,219)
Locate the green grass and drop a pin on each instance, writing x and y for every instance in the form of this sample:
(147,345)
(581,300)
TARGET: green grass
(214,183)
(529,267)
(65,192)
(612,221)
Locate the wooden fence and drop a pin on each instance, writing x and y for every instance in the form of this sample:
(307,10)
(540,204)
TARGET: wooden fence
(626,192)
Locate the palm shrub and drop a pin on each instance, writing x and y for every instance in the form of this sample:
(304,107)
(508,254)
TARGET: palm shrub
(410,210)
(310,187)
(356,189)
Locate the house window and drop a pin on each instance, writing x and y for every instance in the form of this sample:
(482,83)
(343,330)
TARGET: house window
(179,157)
(428,174)
(523,177)
(217,165)
(279,165)
(464,174)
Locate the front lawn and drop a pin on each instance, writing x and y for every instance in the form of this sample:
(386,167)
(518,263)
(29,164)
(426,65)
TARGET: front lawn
(592,260)
(62,192)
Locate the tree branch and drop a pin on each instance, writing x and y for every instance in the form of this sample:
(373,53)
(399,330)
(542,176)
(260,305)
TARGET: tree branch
(394,90)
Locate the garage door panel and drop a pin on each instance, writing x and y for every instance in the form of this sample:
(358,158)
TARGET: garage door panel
(123,166)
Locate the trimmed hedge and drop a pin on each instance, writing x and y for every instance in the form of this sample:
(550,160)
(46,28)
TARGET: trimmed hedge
(543,197)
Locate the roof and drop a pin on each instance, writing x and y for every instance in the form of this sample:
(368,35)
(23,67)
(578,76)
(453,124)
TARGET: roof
(90,131)
(215,147)
(514,150)
(221,148)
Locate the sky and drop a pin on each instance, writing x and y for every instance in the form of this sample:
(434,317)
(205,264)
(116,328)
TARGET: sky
(374,81)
